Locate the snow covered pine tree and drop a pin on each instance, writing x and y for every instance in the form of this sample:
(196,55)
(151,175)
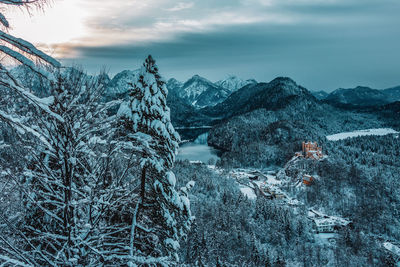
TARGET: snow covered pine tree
(164,211)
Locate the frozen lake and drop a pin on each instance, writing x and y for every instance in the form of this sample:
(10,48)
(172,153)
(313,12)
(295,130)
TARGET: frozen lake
(379,131)
(198,150)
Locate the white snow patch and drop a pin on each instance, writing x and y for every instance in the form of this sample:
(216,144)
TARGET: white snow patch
(171,178)
(272,180)
(173,243)
(247,191)
(391,247)
(377,131)
(195,162)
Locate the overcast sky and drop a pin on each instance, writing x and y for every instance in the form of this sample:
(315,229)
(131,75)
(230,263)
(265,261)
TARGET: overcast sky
(321,44)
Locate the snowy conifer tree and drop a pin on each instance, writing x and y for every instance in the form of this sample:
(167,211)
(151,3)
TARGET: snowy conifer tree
(162,208)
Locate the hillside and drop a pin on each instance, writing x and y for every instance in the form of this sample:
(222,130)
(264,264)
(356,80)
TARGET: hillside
(274,95)
(263,137)
(266,123)
(320,95)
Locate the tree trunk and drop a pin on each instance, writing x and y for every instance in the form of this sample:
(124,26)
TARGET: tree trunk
(143,185)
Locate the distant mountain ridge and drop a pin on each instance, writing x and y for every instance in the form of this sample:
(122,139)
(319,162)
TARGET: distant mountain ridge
(361,96)
(197,91)
(200,92)
(120,83)
(199,102)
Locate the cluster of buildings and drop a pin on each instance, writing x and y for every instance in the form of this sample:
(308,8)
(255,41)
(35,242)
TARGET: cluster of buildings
(308,179)
(327,224)
(272,192)
(310,150)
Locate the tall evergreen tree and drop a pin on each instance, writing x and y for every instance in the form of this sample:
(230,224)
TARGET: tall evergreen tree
(161,207)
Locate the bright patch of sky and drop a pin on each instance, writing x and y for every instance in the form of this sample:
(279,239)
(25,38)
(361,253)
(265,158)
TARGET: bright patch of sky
(60,22)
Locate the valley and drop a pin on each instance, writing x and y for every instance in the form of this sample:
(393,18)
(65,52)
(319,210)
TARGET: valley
(286,188)
(251,129)
(260,129)
(259,198)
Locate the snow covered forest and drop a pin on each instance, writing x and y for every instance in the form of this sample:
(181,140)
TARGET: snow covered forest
(90,176)
(80,186)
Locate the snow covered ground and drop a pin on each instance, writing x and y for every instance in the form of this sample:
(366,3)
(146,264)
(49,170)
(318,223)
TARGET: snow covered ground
(378,131)
(247,191)
(326,238)
(271,179)
(393,248)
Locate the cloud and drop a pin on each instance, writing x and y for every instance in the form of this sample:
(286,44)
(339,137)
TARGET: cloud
(181,6)
(122,22)
(316,57)
(321,43)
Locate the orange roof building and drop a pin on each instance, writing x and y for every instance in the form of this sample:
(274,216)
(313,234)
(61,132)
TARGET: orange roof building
(312,150)
(308,179)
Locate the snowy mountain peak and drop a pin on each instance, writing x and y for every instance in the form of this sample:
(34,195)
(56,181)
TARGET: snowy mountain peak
(283,80)
(173,84)
(198,91)
(233,83)
(120,83)
(197,79)
(196,86)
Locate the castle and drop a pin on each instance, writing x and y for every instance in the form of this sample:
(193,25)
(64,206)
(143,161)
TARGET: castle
(311,150)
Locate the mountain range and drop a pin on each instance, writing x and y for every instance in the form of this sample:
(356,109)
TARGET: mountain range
(202,97)
(199,102)
(200,92)
(197,91)
(360,96)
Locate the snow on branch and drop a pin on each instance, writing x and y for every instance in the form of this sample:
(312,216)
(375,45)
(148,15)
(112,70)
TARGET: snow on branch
(19,2)
(24,60)
(6,260)
(42,103)
(29,48)
(4,21)
(21,128)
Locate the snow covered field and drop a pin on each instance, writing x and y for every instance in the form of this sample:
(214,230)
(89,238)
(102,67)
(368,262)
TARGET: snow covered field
(247,191)
(378,131)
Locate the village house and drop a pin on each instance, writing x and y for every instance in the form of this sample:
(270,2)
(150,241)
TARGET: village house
(327,224)
(272,192)
(324,225)
(308,179)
